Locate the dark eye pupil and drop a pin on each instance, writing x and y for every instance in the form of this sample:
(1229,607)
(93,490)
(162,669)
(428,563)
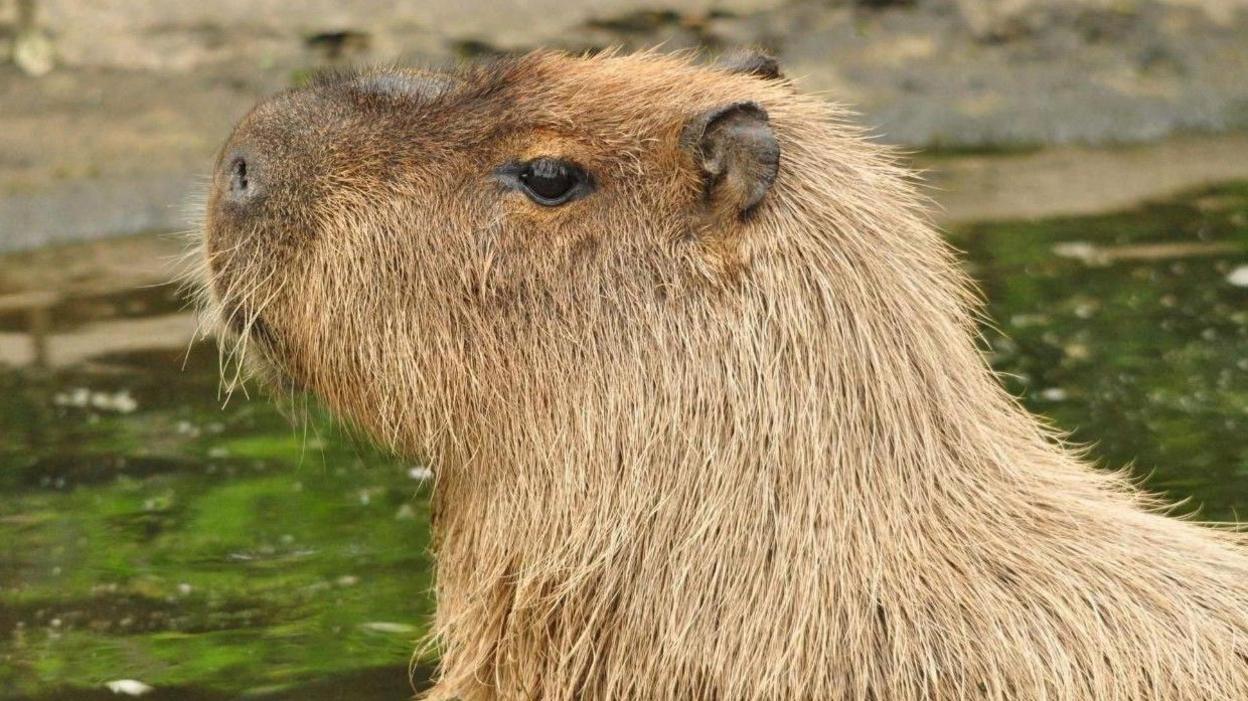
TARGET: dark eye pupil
(550,180)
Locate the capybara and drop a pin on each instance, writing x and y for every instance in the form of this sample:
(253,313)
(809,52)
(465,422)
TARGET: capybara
(701,388)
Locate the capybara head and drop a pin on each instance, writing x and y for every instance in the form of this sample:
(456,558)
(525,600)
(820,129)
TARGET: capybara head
(413,246)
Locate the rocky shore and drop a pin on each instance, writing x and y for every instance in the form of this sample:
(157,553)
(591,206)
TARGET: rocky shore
(110,113)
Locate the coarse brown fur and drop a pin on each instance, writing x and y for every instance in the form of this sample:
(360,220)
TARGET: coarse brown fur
(683,453)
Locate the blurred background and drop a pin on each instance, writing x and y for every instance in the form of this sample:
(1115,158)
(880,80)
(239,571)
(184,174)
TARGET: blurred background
(1090,157)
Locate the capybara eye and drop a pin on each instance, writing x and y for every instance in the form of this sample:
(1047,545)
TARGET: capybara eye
(547,181)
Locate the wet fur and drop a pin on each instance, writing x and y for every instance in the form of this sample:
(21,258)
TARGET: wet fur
(682,455)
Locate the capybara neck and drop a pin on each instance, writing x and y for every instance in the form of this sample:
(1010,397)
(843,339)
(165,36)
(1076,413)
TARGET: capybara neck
(709,423)
(809,485)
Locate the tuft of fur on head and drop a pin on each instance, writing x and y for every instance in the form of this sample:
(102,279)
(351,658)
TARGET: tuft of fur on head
(682,454)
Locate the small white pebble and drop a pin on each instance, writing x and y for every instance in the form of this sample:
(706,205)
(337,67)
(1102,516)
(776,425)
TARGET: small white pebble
(129,687)
(124,403)
(1239,276)
(82,397)
(1079,250)
(388,627)
(33,52)
(1053,394)
(78,397)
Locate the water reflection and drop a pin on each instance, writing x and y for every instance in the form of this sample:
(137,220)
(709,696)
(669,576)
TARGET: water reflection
(35,306)
(148,534)
(1131,332)
(42,329)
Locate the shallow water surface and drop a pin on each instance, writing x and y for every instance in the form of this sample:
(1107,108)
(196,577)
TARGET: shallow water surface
(148,533)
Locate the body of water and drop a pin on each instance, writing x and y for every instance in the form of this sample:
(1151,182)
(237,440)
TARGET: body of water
(148,533)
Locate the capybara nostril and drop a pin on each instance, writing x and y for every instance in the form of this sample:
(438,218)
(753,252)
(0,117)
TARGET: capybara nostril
(238,175)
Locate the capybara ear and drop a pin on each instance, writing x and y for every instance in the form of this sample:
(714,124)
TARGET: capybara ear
(738,153)
(755,63)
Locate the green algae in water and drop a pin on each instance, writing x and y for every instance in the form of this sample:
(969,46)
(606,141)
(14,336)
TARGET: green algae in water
(208,551)
(1130,332)
(214,552)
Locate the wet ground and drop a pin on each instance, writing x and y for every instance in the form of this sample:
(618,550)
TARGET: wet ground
(149,533)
